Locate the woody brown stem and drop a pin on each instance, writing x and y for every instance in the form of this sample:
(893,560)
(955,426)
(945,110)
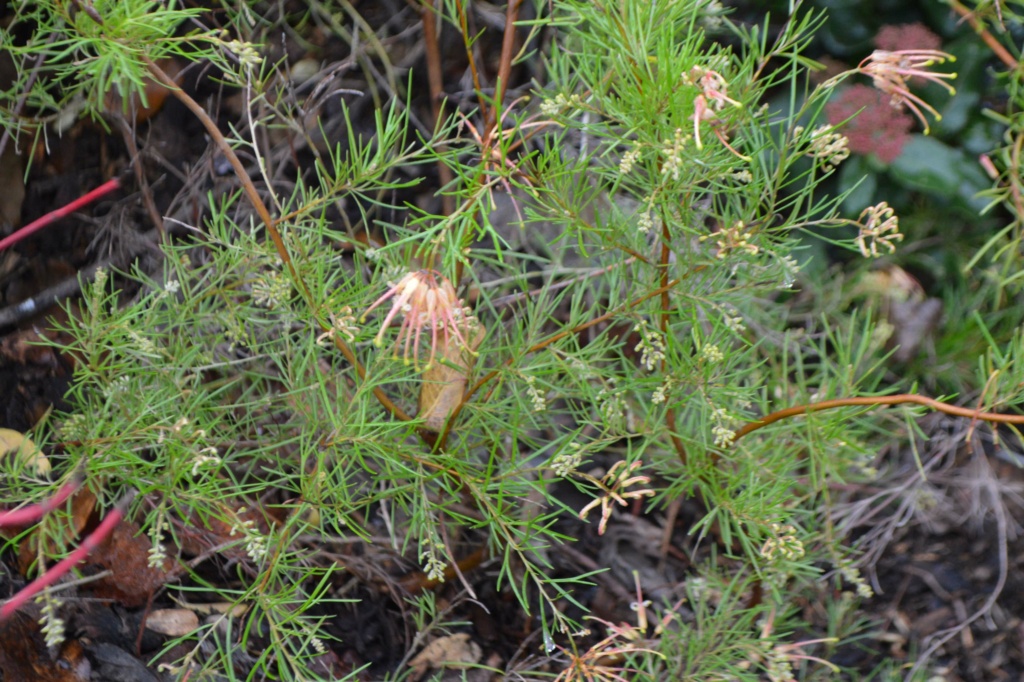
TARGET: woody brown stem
(435,81)
(900,399)
(670,413)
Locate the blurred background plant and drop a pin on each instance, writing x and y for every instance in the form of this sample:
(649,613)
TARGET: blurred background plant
(958,264)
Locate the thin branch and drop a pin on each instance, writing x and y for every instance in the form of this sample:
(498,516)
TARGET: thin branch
(64,566)
(875,401)
(436,82)
(666,309)
(32,513)
(508,44)
(464,27)
(51,217)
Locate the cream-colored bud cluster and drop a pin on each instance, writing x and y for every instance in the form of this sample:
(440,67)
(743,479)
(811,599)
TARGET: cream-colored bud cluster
(611,406)
(343,323)
(723,435)
(255,541)
(433,566)
(142,343)
(567,460)
(828,147)
(743,176)
(853,576)
(651,346)
(784,544)
(711,354)
(644,221)
(53,626)
(724,429)
(247,53)
(157,555)
(660,394)
(628,160)
(558,104)
(733,238)
(879,226)
(673,151)
(537,399)
(271,289)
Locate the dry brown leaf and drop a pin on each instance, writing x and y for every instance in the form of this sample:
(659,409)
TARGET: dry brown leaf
(915,323)
(444,383)
(15,444)
(25,347)
(218,608)
(131,580)
(913,315)
(172,622)
(197,535)
(451,651)
(25,656)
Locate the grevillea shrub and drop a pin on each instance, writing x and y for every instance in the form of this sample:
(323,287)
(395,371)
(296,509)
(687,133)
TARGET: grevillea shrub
(334,394)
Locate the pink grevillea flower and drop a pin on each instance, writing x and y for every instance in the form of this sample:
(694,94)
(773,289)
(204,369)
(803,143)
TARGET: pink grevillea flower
(890,72)
(710,102)
(425,299)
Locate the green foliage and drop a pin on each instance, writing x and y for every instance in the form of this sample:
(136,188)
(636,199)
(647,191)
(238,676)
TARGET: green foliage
(86,58)
(663,193)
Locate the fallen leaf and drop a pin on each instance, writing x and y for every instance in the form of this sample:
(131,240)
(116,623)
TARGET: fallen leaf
(12,169)
(27,453)
(218,608)
(444,383)
(173,622)
(27,347)
(83,502)
(197,535)
(915,322)
(154,94)
(131,580)
(452,651)
(913,315)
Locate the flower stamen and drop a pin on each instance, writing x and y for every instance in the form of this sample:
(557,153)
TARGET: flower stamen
(425,298)
(890,71)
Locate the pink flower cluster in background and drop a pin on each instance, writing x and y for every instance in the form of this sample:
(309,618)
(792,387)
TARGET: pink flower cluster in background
(907,37)
(879,129)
